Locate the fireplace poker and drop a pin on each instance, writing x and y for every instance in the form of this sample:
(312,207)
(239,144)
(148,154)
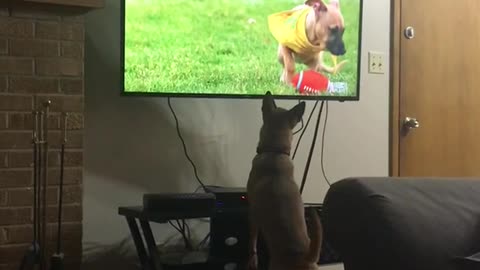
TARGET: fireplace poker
(44,128)
(57,258)
(31,257)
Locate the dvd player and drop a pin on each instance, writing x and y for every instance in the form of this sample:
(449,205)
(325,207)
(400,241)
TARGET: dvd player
(200,204)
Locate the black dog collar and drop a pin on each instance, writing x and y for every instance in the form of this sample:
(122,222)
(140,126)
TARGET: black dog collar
(275,150)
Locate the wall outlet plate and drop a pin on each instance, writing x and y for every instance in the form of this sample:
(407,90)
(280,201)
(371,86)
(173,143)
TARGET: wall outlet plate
(376,62)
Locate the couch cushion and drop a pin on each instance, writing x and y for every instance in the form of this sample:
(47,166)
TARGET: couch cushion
(470,262)
(403,223)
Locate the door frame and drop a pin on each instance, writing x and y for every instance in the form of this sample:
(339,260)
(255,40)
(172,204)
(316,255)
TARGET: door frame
(395,102)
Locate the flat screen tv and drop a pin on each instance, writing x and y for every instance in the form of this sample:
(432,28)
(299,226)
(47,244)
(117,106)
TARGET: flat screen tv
(236,48)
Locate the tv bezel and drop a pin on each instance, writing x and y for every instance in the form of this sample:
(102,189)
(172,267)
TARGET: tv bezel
(237,96)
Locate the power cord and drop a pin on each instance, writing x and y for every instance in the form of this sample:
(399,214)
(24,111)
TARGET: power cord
(207,237)
(301,121)
(185,146)
(304,129)
(184,230)
(323,145)
(312,147)
(183,227)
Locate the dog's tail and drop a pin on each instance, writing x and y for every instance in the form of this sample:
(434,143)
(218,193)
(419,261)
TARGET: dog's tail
(316,236)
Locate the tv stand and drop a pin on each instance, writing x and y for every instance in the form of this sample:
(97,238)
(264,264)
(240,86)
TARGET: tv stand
(146,247)
(228,215)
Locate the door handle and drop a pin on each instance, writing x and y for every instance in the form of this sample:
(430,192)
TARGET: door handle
(409,32)
(411,123)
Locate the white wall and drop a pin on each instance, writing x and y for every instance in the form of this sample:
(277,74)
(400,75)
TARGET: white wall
(132,147)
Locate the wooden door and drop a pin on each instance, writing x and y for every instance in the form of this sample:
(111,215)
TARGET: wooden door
(436,79)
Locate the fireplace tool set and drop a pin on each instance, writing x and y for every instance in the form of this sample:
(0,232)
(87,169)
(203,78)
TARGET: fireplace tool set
(36,255)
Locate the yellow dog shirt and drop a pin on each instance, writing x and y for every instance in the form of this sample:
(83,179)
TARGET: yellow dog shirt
(288,28)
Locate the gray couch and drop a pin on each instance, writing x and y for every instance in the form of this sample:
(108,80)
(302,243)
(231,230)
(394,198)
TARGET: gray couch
(404,223)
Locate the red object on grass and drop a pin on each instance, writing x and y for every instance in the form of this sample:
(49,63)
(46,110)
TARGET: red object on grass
(310,82)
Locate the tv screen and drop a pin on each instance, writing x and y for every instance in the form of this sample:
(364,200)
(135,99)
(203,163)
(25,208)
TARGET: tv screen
(242,48)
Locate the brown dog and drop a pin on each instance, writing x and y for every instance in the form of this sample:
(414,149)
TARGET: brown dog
(305,33)
(276,209)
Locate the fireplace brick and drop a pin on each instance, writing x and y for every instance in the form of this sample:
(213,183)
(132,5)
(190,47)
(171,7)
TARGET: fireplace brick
(3,122)
(41,57)
(11,252)
(16,65)
(71,159)
(15,178)
(15,215)
(3,202)
(73,194)
(58,67)
(72,31)
(12,102)
(20,159)
(28,47)
(3,159)
(24,196)
(15,140)
(70,213)
(71,86)
(23,234)
(24,121)
(33,85)
(72,49)
(47,30)
(3,83)
(72,176)
(67,103)
(76,121)
(16,27)
(3,46)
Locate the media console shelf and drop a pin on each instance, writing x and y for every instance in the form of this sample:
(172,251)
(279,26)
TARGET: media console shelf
(143,238)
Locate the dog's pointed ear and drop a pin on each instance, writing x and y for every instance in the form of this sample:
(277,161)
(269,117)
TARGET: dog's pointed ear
(268,104)
(318,5)
(335,3)
(296,113)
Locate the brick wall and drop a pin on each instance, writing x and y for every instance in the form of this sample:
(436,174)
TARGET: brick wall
(41,57)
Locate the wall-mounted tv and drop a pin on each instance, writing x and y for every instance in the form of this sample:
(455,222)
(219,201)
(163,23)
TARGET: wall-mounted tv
(242,48)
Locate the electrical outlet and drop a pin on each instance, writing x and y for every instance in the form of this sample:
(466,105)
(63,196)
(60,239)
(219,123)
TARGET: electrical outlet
(376,62)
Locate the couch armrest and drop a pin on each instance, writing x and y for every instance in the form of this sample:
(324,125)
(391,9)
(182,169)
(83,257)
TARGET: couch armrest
(403,223)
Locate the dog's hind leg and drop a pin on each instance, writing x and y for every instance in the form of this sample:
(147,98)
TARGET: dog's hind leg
(282,63)
(316,236)
(252,245)
(287,60)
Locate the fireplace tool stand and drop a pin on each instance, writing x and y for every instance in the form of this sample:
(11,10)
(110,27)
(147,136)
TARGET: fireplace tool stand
(35,256)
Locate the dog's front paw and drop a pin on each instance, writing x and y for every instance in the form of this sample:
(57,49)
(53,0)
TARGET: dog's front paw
(286,78)
(282,77)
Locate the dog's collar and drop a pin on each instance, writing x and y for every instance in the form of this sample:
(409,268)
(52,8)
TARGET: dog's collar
(275,150)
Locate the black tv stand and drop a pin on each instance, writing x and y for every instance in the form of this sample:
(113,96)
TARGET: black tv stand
(146,247)
(230,202)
